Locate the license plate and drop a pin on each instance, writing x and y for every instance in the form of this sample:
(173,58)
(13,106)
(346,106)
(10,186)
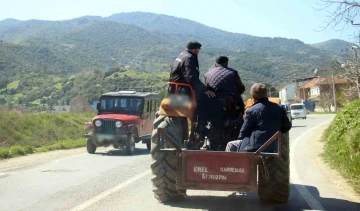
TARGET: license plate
(296,113)
(102,137)
(218,171)
(202,168)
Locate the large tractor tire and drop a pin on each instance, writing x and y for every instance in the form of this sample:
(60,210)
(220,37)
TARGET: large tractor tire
(164,165)
(276,187)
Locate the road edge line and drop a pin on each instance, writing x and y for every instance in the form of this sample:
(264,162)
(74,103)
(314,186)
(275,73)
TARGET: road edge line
(66,158)
(294,176)
(106,193)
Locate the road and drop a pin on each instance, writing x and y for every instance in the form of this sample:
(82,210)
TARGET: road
(111,180)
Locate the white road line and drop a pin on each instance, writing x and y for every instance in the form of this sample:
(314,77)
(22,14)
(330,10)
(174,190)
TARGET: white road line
(74,156)
(104,194)
(305,194)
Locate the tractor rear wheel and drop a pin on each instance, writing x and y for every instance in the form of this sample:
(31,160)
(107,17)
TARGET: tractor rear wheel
(164,165)
(276,188)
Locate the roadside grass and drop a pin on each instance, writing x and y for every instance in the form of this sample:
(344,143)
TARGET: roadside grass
(314,112)
(22,134)
(15,151)
(342,143)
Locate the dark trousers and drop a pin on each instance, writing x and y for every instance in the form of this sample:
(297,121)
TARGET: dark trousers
(208,109)
(241,105)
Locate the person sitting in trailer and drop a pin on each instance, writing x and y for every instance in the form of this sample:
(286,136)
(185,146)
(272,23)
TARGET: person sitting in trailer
(262,120)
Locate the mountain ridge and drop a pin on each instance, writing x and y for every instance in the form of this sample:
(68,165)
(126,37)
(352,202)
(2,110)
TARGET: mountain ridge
(143,42)
(334,45)
(124,17)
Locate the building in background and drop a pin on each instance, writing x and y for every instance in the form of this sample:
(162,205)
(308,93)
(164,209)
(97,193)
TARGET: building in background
(57,109)
(289,92)
(318,93)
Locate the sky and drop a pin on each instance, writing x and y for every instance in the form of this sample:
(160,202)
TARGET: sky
(296,19)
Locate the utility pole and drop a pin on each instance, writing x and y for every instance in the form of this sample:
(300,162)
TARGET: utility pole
(270,91)
(304,90)
(334,92)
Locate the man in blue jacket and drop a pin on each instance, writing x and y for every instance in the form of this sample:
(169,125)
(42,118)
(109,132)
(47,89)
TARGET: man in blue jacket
(262,121)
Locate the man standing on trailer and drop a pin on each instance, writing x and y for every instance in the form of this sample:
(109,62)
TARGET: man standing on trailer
(223,79)
(185,69)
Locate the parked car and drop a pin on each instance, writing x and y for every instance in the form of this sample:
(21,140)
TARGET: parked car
(298,111)
(287,109)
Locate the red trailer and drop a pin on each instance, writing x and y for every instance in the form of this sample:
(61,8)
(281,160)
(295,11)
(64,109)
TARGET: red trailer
(177,167)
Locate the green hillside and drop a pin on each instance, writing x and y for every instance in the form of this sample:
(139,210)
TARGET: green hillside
(57,60)
(55,89)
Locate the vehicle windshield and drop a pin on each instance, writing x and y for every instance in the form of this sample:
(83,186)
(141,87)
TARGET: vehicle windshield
(296,107)
(127,105)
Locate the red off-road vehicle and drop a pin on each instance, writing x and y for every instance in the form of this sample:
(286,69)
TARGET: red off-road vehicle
(178,163)
(123,119)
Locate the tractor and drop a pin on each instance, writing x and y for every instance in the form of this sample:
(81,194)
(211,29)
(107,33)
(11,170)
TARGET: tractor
(179,164)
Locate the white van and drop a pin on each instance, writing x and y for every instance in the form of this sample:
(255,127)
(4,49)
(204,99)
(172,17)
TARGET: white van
(298,111)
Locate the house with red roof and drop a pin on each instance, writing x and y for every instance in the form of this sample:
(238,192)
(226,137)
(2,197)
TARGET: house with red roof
(320,91)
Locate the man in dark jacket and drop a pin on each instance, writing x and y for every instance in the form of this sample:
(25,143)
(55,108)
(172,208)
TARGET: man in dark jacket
(225,79)
(262,121)
(185,69)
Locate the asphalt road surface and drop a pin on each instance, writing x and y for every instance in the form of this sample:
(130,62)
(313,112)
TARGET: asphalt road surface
(111,180)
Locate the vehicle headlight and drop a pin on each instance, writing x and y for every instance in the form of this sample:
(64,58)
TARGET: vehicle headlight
(118,124)
(98,123)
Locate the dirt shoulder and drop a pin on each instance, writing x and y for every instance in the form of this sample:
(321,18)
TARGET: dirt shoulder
(332,176)
(32,160)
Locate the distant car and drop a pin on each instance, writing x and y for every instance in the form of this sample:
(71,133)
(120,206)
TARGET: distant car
(298,111)
(287,109)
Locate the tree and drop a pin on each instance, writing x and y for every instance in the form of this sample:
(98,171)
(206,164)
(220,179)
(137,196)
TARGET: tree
(326,98)
(2,101)
(10,103)
(345,13)
(79,104)
(43,100)
(3,82)
(350,69)
(51,103)
(272,91)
